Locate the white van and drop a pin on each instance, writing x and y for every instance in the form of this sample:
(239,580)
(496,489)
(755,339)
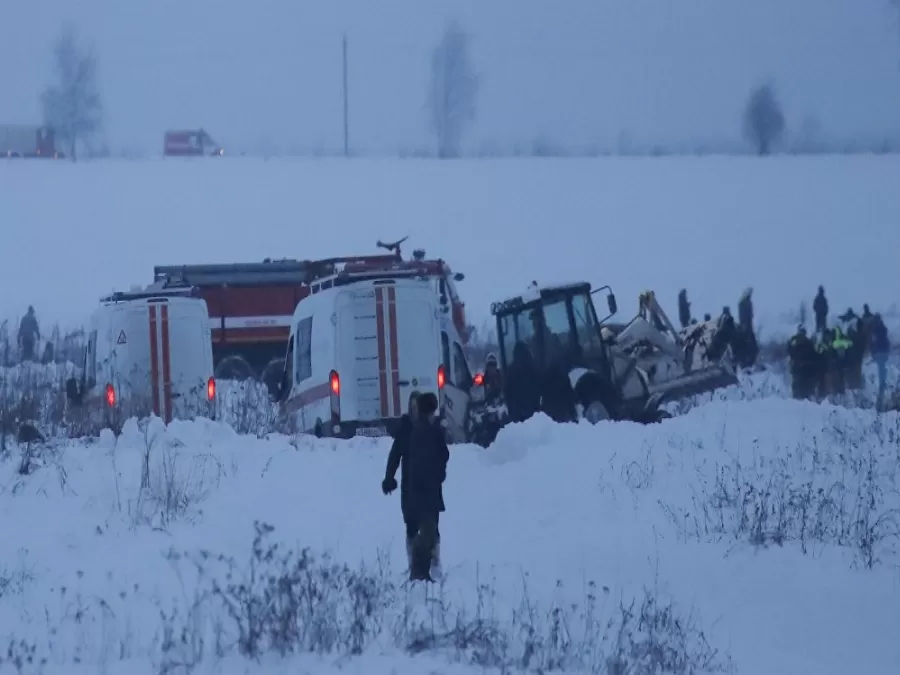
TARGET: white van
(147,352)
(357,351)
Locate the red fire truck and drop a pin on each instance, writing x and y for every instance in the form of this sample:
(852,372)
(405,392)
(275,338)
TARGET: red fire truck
(192,143)
(25,140)
(251,304)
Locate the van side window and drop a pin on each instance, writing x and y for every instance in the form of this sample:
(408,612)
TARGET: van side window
(461,373)
(289,363)
(445,357)
(303,359)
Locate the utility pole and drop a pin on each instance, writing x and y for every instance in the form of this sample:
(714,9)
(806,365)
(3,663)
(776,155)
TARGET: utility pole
(346,105)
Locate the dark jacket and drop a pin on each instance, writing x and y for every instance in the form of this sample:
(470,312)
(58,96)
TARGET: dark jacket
(803,355)
(421,453)
(820,306)
(880,343)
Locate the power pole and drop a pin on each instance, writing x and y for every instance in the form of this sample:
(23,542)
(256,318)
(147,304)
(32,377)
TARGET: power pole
(346,105)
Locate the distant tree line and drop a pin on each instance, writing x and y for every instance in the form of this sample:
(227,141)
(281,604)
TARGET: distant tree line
(72,105)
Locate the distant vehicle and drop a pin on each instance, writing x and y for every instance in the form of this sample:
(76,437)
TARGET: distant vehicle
(357,351)
(251,305)
(146,352)
(191,143)
(28,141)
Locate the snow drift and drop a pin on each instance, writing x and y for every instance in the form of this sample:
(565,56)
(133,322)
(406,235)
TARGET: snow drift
(760,535)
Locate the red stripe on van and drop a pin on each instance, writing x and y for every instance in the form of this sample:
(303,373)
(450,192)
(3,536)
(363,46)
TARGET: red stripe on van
(382,357)
(395,349)
(166,364)
(154,361)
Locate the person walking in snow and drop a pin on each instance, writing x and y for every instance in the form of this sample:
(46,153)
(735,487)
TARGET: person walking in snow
(420,452)
(29,334)
(820,309)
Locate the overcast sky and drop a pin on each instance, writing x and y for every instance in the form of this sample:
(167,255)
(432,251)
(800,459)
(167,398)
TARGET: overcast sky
(267,73)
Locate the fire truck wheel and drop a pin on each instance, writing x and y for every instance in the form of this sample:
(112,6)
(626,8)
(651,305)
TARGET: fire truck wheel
(233,368)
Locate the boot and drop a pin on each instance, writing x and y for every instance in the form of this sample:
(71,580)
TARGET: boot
(409,553)
(436,570)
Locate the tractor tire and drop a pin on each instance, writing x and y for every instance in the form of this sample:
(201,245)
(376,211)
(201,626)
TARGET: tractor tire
(271,374)
(234,368)
(596,411)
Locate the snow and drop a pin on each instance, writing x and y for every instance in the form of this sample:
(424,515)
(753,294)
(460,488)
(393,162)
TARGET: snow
(713,225)
(552,507)
(595,74)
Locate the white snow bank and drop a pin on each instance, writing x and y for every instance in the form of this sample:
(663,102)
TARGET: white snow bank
(773,520)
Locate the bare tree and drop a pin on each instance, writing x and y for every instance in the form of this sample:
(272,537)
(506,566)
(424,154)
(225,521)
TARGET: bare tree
(763,119)
(453,90)
(72,106)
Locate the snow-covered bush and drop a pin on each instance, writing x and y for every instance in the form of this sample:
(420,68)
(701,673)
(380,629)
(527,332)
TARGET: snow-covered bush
(842,489)
(285,601)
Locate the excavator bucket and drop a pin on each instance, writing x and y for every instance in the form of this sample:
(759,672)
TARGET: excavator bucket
(677,364)
(695,383)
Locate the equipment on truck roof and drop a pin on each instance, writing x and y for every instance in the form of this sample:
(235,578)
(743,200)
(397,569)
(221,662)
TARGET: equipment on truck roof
(251,305)
(557,357)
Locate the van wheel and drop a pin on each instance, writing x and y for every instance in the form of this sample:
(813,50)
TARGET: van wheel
(233,368)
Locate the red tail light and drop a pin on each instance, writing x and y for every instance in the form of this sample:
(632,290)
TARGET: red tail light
(478,379)
(211,388)
(441,377)
(335,382)
(110,395)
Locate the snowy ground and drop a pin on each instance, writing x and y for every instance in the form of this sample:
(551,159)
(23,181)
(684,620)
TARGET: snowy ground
(713,225)
(770,524)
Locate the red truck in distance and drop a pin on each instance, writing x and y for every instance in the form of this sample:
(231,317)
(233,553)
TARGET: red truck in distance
(27,141)
(191,143)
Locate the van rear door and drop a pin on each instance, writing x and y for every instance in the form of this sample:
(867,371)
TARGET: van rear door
(184,357)
(417,354)
(388,337)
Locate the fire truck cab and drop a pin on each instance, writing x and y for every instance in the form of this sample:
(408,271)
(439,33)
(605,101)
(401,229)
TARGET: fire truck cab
(146,351)
(361,346)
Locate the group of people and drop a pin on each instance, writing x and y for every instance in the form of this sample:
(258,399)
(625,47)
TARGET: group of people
(831,361)
(740,335)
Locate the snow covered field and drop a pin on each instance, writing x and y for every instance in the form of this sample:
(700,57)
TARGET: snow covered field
(770,525)
(713,225)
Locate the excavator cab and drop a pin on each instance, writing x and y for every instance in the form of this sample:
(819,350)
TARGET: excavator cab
(546,335)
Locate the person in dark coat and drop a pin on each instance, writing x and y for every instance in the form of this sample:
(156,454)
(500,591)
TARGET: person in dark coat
(493,378)
(428,459)
(420,452)
(880,346)
(804,360)
(820,309)
(852,327)
(29,334)
(684,309)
